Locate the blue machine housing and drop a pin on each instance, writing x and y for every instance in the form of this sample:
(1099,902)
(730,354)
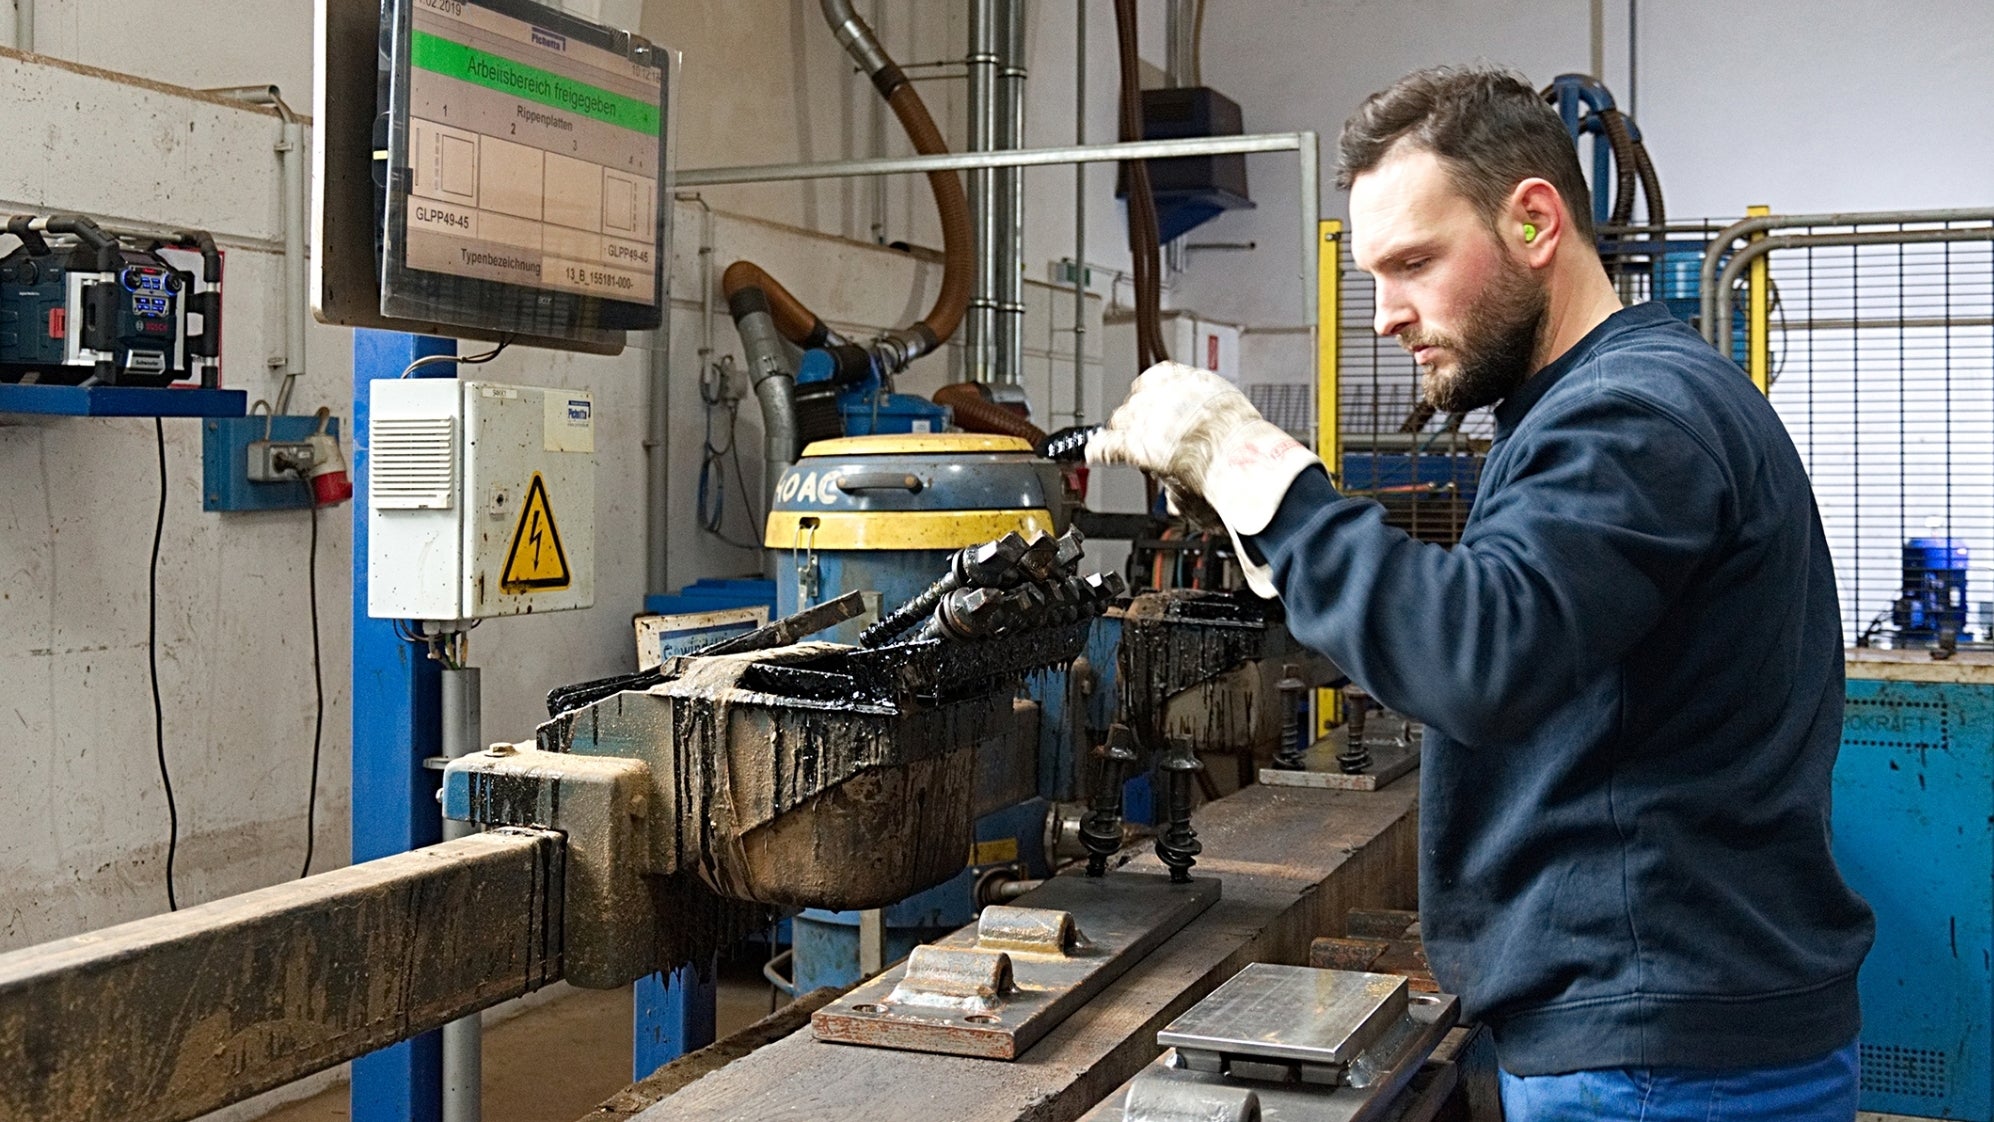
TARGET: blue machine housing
(1914,835)
(864,406)
(1933,602)
(884,513)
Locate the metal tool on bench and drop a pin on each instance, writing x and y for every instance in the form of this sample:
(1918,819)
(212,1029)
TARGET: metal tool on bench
(1286,1043)
(1372,747)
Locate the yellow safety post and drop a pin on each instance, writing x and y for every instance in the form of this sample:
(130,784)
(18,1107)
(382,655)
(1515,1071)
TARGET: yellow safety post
(1328,436)
(1758,323)
(1329,306)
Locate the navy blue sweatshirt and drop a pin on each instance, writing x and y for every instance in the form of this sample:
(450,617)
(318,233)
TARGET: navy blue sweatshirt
(1630,670)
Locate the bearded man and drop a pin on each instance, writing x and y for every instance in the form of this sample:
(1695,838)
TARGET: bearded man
(1629,668)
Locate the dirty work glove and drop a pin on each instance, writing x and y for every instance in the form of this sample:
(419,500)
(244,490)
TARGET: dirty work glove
(1198,433)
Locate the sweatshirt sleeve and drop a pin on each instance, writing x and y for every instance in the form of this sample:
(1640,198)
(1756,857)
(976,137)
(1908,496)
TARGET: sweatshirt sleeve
(1603,512)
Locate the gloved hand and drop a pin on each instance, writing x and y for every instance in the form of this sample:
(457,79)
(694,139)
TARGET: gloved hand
(1198,433)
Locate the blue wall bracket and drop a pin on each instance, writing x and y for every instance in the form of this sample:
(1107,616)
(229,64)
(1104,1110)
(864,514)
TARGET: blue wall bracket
(225,482)
(121,401)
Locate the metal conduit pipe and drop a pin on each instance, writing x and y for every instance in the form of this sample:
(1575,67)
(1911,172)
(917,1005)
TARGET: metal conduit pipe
(1729,236)
(772,372)
(980,336)
(895,349)
(769,317)
(657,456)
(463,1038)
(1024,158)
(1742,259)
(291,207)
(1079,213)
(1008,260)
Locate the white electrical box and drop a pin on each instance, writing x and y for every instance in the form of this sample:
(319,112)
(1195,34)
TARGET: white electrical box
(1201,343)
(480,499)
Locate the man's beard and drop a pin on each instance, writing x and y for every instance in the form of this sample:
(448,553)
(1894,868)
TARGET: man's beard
(1497,349)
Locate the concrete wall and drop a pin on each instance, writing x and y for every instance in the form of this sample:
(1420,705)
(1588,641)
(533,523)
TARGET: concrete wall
(87,848)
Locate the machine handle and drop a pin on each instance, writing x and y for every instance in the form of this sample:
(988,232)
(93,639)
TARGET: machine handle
(880,481)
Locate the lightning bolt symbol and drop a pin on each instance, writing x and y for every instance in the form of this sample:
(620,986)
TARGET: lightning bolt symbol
(533,538)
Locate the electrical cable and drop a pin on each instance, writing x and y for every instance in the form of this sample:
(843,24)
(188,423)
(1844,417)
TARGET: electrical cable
(711,487)
(152,662)
(468,360)
(318,693)
(1144,249)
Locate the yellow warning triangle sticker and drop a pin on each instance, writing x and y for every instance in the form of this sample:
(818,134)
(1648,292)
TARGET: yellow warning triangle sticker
(535,562)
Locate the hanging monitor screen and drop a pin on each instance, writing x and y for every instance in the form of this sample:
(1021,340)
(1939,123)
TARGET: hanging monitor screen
(528,158)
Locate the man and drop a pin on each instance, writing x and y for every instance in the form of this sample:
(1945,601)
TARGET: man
(1630,668)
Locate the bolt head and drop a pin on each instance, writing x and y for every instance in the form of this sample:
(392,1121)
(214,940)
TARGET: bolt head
(1042,558)
(1071,545)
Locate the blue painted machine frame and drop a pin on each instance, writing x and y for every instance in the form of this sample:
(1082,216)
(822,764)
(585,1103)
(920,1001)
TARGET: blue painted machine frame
(1914,834)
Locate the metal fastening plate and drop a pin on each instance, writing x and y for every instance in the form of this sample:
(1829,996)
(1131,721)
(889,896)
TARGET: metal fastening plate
(1293,1013)
(1063,942)
(1180,1086)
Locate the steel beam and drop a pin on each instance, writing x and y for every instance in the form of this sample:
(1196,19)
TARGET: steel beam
(168,1018)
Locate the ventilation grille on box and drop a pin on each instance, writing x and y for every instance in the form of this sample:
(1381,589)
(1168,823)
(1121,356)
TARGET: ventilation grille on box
(414,464)
(1893,1070)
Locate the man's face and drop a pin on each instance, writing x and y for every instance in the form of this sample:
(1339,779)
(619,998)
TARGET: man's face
(1467,311)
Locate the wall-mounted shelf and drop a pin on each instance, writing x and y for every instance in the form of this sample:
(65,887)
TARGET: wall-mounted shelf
(122,401)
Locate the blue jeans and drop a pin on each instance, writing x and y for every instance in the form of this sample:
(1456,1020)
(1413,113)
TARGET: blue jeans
(1822,1089)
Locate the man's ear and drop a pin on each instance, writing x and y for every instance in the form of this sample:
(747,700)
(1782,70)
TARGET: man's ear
(1534,222)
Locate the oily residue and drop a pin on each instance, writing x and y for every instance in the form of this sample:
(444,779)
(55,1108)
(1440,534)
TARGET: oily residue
(1177,640)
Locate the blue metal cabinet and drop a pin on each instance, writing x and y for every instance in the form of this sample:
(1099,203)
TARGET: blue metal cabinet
(1914,834)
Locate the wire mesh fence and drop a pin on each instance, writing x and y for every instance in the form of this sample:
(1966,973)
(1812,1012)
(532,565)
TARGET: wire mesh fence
(1882,359)
(1881,366)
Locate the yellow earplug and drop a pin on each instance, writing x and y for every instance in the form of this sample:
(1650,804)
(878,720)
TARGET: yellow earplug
(1529,232)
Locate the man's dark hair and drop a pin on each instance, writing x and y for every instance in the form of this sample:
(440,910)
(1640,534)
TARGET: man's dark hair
(1489,128)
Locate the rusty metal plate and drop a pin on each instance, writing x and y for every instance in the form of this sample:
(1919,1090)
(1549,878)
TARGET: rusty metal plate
(994,994)
(1319,769)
